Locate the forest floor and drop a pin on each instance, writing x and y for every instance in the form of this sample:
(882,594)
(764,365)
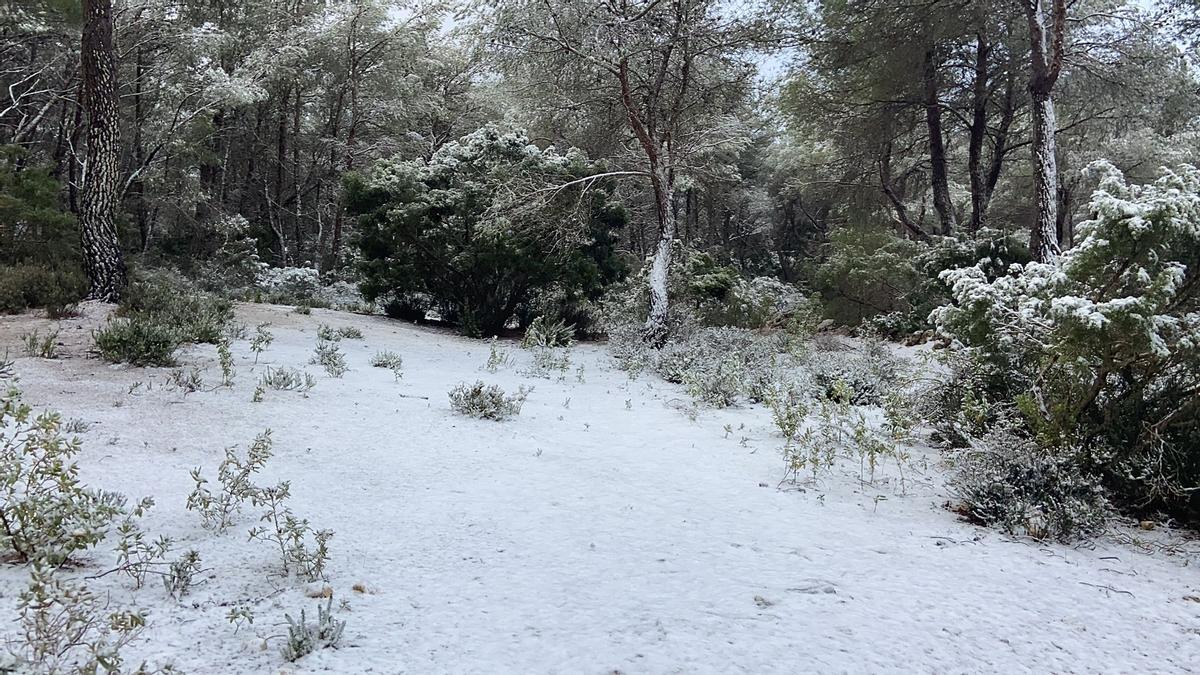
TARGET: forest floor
(603,530)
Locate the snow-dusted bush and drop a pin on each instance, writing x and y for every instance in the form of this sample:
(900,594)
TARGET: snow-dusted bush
(65,628)
(288,285)
(1008,482)
(139,341)
(549,362)
(863,375)
(869,276)
(705,293)
(286,379)
(390,360)
(544,332)
(1099,349)
(46,512)
(234,486)
(721,365)
(305,637)
(41,346)
(533,222)
(303,550)
(487,402)
(330,357)
(170,301)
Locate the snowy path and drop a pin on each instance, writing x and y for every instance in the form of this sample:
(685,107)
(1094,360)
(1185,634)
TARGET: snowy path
(587,538)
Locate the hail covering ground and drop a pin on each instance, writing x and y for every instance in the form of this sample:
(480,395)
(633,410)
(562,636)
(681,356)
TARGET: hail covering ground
(588,535)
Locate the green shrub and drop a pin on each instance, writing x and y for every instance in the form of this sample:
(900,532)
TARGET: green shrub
(140,341)
(1007,482)
(27,286)
(46,513)
(448,234)
(706,294)
(870,275)
(1099,350)
(487,402)
(543,332)
(172,302)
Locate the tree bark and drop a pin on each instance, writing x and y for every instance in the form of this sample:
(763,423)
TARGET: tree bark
(978,131)
(102,258)
(939,178)
(1046,35)
(1043,240)
(656,320)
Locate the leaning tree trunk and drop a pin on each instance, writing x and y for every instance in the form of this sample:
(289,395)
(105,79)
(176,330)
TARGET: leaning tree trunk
(102,259)
(655,330)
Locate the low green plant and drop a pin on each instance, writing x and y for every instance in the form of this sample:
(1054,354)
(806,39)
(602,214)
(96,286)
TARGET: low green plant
(63,628)
(303,551)
(225,358)
(46,513)
(487,402)
(304,637)
(235,487)
(542,332)
(137,341)
(286,379)
(390,360)
(330,357)
(261,340)
(497,358)
(187,381)
(171,301)
(42,346)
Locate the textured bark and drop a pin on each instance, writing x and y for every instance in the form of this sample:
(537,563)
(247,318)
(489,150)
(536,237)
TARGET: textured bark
(1043,241)
(1046,35)
(102,259)
(978,130)
(939,178)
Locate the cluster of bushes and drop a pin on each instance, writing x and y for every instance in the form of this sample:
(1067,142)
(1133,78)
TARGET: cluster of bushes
(158,313)
(872,276)
(49,518)
(488,231)
(1083,371)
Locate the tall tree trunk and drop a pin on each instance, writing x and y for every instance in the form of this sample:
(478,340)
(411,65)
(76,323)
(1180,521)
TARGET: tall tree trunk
(939,178)
(102,259)
(1046,36)
(978,131)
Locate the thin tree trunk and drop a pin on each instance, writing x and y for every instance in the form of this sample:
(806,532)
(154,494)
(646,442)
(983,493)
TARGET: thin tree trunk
(978,131)
(102,259)
(939,178)
(1043,241)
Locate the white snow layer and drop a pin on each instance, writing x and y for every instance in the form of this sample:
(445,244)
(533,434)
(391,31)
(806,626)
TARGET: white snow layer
(580,537)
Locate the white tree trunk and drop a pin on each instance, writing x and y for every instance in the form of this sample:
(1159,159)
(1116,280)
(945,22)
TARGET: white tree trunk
(1044,239)
(655,330)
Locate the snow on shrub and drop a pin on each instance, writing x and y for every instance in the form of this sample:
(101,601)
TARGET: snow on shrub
(486,402)
(288,285)
(864,376)
(1099,349)
(1008,482)
(46,513)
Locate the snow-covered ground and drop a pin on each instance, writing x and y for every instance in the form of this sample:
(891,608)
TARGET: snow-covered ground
(603,530)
